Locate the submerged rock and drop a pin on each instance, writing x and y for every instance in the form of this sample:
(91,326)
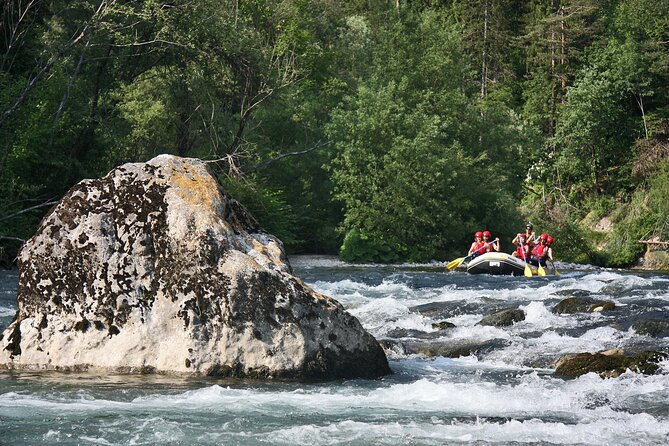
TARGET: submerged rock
(153,268)
(503,318)
(452,348)
(608,364)
(573,305)
(658,328)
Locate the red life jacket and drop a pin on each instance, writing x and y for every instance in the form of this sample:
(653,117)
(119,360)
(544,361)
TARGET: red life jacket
(523,241)
(520,251)
(478,248)
(538,251)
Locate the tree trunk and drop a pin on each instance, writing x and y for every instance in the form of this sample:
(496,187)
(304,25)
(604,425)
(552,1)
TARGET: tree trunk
(484,55)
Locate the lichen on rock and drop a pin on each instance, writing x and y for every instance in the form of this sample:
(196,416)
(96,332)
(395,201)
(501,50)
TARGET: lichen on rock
(153,268)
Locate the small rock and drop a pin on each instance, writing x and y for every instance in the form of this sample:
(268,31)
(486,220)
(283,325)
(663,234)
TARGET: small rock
(443,325)
(503,318)
(573,305)
(454,348)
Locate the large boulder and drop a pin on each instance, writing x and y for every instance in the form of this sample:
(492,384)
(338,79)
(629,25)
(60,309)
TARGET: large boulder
(153,268)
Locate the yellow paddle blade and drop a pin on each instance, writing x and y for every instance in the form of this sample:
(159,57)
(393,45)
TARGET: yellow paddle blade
(541,271)
(528,271)
(455,263)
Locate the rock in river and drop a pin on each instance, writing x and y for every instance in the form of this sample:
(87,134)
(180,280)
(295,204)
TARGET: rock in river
(153,268)
(611,363)
(503,318)
(573,305)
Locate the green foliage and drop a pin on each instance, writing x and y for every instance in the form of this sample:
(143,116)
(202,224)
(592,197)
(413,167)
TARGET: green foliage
(415,166)
(267,206)
(361,247)
(645,215)
(416,126)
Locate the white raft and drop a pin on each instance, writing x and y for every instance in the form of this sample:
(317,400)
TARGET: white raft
(498,263)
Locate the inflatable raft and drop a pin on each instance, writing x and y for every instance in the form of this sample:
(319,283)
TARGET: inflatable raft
(498,263)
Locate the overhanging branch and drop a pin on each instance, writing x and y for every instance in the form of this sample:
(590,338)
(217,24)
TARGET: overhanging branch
(31,208)
(267,162)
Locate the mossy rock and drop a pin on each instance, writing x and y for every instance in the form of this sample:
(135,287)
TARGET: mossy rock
(573,305)
(443,325)
(608,364)
(658,328)
(503,318)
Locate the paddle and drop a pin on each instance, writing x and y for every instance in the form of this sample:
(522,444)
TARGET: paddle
(540,270)
(554,268)
(528,270)
(457,262)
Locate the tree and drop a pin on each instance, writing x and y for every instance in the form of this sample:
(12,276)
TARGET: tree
(409,166)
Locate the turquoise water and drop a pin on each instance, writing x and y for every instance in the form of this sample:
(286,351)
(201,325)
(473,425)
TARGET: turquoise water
(505,393)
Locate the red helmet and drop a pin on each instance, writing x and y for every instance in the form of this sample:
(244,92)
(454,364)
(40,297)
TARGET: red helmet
(478,234)
(543,236)
(486,234)
(549,239)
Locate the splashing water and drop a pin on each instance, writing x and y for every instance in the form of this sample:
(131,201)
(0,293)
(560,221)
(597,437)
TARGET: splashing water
(504,393)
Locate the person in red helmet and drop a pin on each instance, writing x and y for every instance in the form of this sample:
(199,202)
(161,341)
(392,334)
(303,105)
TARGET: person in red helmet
(526,241)
(478,246)
(490,246)
(540,251)
(549,245)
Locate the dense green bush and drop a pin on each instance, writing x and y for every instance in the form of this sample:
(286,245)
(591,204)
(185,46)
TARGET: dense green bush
(361,247)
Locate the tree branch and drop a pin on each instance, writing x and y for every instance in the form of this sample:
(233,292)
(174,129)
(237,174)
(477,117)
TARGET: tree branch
(14,239)
(267,162)
(32,82)
(31,208)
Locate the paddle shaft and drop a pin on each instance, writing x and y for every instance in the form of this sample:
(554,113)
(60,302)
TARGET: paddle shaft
(528,271)
(457,262)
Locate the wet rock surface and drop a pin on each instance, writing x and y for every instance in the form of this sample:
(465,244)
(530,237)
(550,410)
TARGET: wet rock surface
(573,305)
(503,318)
(443,325)
(658,328)
(609,364)
(450,348)
(153,268)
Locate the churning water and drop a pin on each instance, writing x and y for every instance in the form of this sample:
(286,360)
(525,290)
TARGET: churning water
(503,393)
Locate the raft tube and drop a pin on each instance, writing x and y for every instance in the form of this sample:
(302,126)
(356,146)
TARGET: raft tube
(498,263)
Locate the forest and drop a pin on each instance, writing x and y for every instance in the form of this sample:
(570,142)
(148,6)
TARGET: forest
(378,130)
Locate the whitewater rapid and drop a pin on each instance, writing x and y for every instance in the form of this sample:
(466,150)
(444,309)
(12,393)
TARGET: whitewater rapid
(506,394)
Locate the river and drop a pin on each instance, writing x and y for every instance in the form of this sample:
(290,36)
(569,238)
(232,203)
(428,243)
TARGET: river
(504,393)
